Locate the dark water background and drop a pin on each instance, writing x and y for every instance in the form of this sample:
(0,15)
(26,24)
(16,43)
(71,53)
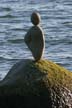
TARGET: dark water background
(15,21)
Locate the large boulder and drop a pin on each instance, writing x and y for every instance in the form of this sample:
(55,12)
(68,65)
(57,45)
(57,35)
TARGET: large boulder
(41,79)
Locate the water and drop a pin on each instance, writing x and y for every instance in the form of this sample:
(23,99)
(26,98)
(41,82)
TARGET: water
(15,21)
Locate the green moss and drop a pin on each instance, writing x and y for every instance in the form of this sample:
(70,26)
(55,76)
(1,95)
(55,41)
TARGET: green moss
(55,74)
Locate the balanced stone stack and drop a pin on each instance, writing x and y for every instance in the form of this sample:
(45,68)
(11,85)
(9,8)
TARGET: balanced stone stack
(49,84)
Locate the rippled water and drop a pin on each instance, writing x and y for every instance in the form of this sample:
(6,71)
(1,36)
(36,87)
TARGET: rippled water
(15,21)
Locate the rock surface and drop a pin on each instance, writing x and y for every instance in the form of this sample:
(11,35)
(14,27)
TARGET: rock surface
(42,79)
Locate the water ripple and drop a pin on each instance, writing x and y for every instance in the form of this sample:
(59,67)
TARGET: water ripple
(16,41)
(8,9)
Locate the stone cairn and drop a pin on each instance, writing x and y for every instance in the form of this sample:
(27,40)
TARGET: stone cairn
(34,38)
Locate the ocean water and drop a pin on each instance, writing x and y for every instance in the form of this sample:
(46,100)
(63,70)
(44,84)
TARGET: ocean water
(56,22)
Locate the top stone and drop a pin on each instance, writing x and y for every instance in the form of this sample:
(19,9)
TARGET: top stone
(35,18)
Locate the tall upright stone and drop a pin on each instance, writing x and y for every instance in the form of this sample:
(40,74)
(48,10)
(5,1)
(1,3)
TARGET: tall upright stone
(34,38)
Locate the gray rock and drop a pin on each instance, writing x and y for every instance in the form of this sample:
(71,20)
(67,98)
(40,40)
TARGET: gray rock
(43,79)
(34,38)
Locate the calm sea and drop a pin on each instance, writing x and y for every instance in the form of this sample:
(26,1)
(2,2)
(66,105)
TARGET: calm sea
(15,21)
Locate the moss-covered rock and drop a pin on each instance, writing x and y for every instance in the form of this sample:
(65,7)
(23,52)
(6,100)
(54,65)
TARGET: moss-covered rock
(42,79)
